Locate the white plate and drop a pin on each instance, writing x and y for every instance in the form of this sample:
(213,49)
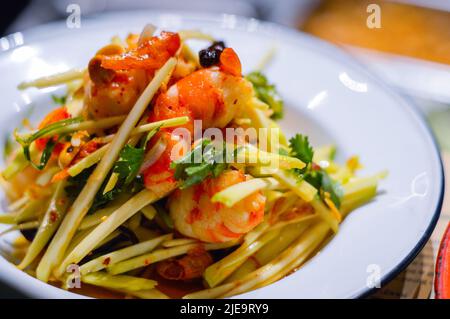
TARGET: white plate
(407,74)
(327,95)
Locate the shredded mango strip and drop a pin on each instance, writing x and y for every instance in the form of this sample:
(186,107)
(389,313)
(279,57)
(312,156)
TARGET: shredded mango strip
(80,207)
(55,79)
(104,261)
(48,226)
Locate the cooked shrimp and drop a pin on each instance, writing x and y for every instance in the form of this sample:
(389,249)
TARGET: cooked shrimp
(110,93)
(149,55)
(210,95)
(158,176)
(182,69)
(196,216)
(117,77)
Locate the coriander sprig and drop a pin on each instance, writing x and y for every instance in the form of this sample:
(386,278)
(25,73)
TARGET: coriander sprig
(204,160)
(314,174)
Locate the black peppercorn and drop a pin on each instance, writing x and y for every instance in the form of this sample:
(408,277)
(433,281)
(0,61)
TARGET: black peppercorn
(218,45)
(211,55)
(208,57)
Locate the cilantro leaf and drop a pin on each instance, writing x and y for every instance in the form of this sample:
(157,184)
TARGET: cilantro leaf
(101,200)
(61,100)
(333,188)
(205,160)
(25,140)
(129,163)
(267,93)
(317,177)
(301,149)
(314,178)
(131,159)
(325,184)
(127,167)
(75,185)
(46,154)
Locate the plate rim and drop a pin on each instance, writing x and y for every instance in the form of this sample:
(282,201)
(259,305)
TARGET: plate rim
(428,232)
(341,56)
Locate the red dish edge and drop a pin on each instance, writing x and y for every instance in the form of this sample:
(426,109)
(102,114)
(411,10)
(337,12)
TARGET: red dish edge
(442,278)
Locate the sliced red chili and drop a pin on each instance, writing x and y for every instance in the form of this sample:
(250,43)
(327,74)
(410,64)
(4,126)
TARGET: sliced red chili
(230,63)
(56,115)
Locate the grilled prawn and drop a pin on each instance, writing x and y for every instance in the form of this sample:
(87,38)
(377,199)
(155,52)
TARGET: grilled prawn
(117,77)
(211,95)
(196,216)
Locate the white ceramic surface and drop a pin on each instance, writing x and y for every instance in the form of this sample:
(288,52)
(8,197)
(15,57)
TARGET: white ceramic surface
(327,95)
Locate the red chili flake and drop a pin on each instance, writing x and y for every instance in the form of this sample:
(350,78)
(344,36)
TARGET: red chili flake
(53,216)
(106,261)
(146,262)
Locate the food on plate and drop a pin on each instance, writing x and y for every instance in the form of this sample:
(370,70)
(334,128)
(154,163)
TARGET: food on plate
(164,173)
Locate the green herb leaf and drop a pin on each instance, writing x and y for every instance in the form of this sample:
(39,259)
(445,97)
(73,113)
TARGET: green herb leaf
(325,184)
(333,188)
(301,149)
(129,162)
(46,154)
(147,138)
(162,217)
(76,184)
(8,147)
(267,93)
(61,100)
(127,167)
(317,177)
(205,160)
(101,200)
(131,159)
(26,140)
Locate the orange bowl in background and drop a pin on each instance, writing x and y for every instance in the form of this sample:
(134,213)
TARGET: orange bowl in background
(407,30)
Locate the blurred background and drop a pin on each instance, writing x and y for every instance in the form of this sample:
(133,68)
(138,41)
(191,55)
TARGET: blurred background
(410,50)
